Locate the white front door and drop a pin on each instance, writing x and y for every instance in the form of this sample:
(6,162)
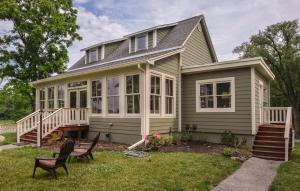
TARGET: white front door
(77,100)
(261,101)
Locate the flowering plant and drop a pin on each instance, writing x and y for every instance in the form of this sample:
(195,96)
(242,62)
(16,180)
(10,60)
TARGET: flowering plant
(153,142)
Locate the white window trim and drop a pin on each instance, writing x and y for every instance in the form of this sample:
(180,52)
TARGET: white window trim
(53,99)
(125,94)
(135,40)
(154,38)
(91,97)
(173,114)
(102,51)
(96,55)
(214,81)
(120,94)
(57,98)
(162,113)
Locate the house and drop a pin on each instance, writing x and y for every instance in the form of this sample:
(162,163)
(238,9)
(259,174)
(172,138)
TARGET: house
(162,79)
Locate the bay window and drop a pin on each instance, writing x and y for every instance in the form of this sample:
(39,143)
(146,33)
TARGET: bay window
(51,98)
(96,98)
(155,94)
(60,96)
(133,94)
(113,104)
(215,95)
(169,96)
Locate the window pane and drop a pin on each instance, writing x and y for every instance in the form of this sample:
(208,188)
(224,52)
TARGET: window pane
(99,88)
(113,86)
(93,55)
(206,89)
(60,92)
(167,87)
(129,84)
(157,85)
(141,42)
(136,104)
(60,103)
(97,105)
(116,104)
(42,104)
(73,99)
(51,93)
(157,108)
(83,99)
(136,84)
(171,87)
(223,101)
(223,88)
(152,84)
(129,104)
(207,102)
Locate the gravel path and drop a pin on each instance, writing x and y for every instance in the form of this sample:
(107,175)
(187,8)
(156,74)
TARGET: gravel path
(254,175)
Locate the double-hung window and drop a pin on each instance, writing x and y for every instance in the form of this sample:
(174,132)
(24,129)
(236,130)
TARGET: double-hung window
(215,95)
(113,103)
(93,55)
(60,96)
(42,98)
(96,96)
(141,42)
(133,94)
(169,96)
(155,94)
(51,98)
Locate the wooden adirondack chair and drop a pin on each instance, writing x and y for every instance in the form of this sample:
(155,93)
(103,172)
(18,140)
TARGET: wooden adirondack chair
(51,164)
(85,152)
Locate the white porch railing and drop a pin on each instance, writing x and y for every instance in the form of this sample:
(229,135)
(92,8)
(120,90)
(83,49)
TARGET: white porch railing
(51,120)
(281,115)
(275,114)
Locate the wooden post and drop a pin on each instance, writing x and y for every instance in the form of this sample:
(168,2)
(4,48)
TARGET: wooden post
(39,130)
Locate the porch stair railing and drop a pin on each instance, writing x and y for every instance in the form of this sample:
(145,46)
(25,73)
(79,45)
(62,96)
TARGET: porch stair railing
(51,121)
(281,115)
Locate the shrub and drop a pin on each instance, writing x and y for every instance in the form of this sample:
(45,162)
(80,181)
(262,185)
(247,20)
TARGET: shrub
(153,142)
(55,138)
(227,138)
(177,138)
(166,140)
(186,136)
(228,152)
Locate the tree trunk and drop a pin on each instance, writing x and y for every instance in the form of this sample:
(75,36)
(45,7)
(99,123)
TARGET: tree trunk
(296,121)
(33,98)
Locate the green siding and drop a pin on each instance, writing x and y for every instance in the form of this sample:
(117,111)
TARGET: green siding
(239,122)
(150,40)
(161,33)
(170,66)
(123,130)
(196,49)
(110,48)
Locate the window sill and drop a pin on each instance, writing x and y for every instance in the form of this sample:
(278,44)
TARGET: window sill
(212,110)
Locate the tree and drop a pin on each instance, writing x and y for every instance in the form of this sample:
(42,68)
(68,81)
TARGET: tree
(36,47)
(14,104)
(279,46)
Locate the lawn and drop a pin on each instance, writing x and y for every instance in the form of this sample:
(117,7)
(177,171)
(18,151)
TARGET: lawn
(112,171)
(7,123)
(288,177)
(9,138)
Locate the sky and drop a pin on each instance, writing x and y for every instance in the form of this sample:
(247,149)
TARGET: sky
(229,22)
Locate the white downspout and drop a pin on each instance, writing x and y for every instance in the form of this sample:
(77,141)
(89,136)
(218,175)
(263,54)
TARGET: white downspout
(144,133)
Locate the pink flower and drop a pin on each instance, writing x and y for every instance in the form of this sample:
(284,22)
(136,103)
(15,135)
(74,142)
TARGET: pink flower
(157,136)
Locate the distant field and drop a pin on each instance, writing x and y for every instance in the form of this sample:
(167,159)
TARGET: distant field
(7,123)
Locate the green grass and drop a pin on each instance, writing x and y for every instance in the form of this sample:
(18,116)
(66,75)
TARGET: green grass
(288,177)
(112,171)
(9,138)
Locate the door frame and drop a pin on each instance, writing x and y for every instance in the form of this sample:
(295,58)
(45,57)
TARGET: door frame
(261,100)
(77,90)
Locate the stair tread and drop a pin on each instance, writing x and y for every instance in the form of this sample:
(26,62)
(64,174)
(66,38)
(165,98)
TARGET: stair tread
(263,151)
(269,146)
(270,141)
(268,136)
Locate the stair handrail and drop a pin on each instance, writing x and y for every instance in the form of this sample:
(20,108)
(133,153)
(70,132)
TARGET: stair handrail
(274,114)
(25,124)
(287,128)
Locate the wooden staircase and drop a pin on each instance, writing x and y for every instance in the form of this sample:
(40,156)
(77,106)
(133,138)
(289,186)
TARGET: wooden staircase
(31,137)
(269,142)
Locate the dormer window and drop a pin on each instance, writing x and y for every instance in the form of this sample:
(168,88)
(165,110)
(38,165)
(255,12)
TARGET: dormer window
(141,42)
(93,56)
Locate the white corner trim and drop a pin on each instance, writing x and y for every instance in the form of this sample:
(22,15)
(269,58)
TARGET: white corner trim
(102,52)
(253,101)
(154,38)
(129,42)
(214,82)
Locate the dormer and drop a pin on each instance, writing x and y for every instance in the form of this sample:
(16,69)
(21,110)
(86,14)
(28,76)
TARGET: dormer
(148,38)
(100,51)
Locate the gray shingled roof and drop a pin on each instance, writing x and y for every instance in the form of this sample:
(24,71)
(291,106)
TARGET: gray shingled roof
(174,39)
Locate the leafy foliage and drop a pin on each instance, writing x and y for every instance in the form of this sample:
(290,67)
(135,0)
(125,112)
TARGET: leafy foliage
(9,138)
(36,47)
(279,46)
(227,138)
(228,152)
(14,103)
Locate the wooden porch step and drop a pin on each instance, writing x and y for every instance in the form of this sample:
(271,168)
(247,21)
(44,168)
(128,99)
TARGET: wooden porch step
(270,158)
(269,133)
(269,148)
(269,143)
(268,153)
(27,140)
(271,129)
(269,138)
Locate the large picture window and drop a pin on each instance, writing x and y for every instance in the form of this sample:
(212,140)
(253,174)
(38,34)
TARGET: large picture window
(96,98)
(113,104)
(155,94)
(60,96)
(42,99)
(215,95)
(169,104)
(133,94)
(51,98)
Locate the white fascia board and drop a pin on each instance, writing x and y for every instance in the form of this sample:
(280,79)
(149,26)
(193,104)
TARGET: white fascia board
(256,62)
